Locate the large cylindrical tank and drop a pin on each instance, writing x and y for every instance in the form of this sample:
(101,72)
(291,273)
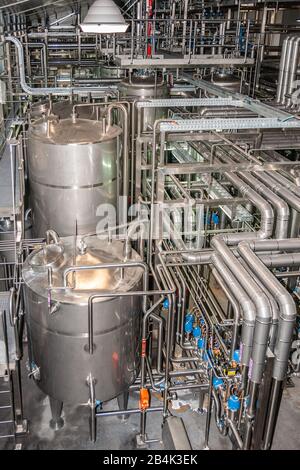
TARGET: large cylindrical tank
(72,168)
(59,341)
(145,87)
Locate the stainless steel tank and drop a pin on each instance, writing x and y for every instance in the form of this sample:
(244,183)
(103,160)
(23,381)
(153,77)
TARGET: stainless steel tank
(58,341)
(143,87)
(72,168)
(110,71)
(62,109)
(225,79)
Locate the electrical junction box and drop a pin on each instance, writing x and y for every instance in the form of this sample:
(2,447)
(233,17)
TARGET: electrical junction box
(2,92)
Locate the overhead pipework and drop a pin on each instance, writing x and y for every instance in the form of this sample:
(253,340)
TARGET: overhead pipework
(149,224)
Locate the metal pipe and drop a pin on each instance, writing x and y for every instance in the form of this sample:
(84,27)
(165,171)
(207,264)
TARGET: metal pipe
(267,218)
(282,67)
(273,303)
(128,412)
(235,305)
(286,70)
(263,318)
(235,433)
(278,261)
(125,155)
(247,306)
(49,90)
(278,189)
(288,313)
(285,182)
(282,209)
(276,394)
(293,69)
(209,406)
(286,304)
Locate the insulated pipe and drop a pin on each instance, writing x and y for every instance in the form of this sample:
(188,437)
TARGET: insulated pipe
(274,306)
(281,69)
(285,301)
(288,313)
(288,244)
(293,69)
(287,319)
(266,223)
(277,261)
(278,189)
(295,224)
(47,91)
(286,70)
(267,219)
(285,182)
(246,304)
(263,318)
(281,207)
(267,215)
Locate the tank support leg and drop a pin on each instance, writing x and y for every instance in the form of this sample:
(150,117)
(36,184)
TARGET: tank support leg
(92,405)
(123,404)
(141,438)
(56,421)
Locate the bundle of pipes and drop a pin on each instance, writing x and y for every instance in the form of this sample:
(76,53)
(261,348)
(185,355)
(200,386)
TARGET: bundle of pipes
(288,70)
(266,308)
(241,263)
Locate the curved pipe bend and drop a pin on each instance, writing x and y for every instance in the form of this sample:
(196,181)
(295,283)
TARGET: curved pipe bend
(48,91)
(264,315)
(248,310)
(286,304)
(266,226)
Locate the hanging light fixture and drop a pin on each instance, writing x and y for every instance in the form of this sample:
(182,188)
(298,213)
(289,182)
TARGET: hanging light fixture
(104,16)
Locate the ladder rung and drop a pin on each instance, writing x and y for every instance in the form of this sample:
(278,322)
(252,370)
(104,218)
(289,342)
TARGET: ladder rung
(6,422)
(7,435)
(5,407)
(4,391)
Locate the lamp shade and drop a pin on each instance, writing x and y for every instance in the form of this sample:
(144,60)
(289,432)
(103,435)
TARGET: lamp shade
(104,16)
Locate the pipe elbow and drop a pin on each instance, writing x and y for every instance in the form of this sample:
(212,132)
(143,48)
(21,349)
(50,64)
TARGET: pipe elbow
(282,209)
(248,312)
(288,311)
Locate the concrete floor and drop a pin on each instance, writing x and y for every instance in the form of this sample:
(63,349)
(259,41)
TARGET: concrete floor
(115,434)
